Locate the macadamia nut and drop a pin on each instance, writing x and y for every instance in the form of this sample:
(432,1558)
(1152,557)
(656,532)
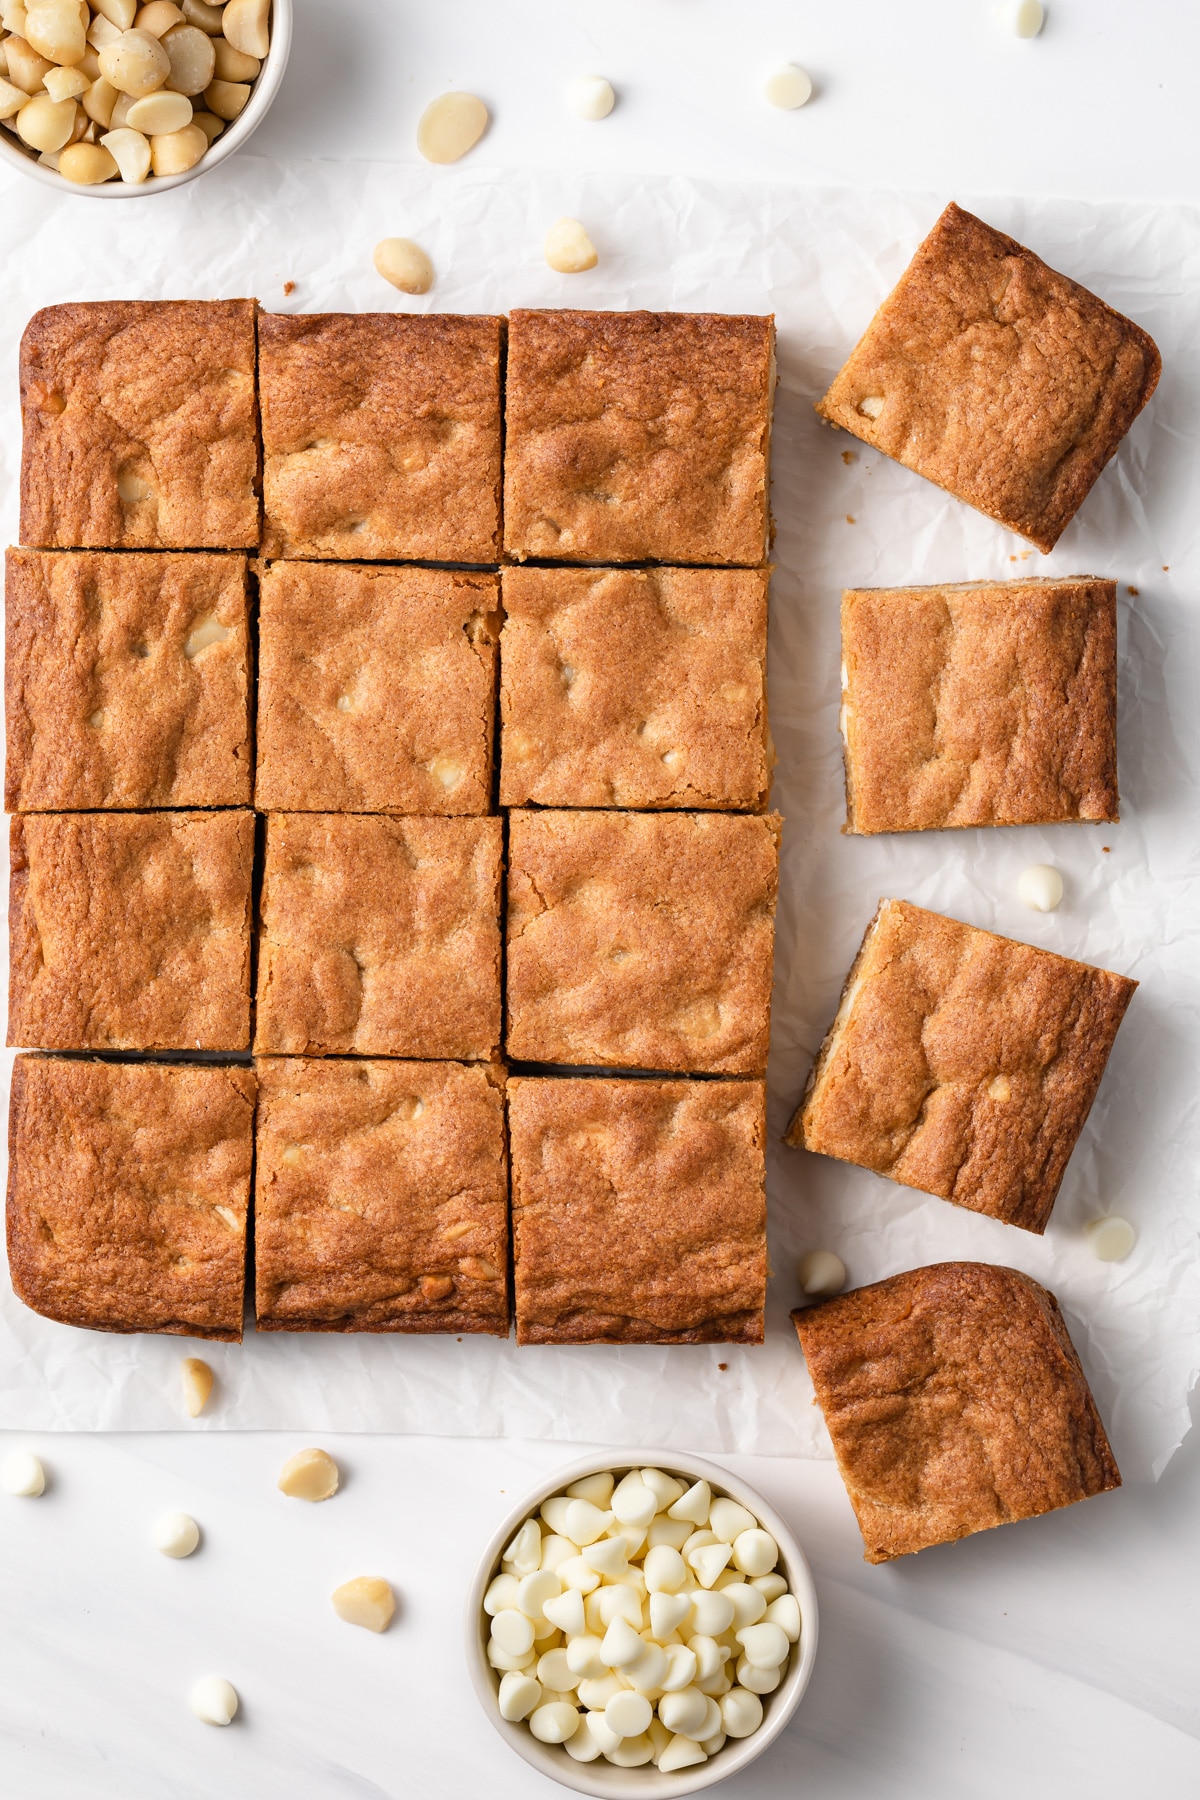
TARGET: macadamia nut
(367,1601)
(196,1375)
(450,126)
(568,248)
(309,1475)
(404,264)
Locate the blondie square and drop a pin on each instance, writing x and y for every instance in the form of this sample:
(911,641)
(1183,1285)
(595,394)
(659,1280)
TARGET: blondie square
(1005,383)
(130,931)
(986,703)
(381,1197)
(128,1192)
(961,1063)
(639,1211)
(376,689)
(638,437)
(381,436)
(126,680)
(641,940)
(635,687)
(955,1402)
(380,937)
(140,426)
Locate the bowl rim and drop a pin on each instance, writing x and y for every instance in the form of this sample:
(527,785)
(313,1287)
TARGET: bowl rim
(231,140)
(640,1784)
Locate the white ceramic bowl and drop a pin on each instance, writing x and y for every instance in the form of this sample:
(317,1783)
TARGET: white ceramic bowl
(603,1778)
(14,154)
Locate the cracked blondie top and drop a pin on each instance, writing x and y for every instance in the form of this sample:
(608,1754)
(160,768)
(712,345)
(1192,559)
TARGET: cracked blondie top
(130,931)
(380,937)
(140,426)
(998,379)
(641,940)
(376,689)
(128,1190)
(986,703)
(126,680)
(956,1402)
(962,1063)
(381,1197)
(638,437)
(635,688)
(381,435)
(639,1211)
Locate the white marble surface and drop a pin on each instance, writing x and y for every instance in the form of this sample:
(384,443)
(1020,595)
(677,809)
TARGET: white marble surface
(1054,1658)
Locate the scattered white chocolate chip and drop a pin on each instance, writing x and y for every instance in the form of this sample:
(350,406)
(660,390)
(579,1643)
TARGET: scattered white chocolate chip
(176,1534)
(309,1475)
(1040,887)
(197,1385)
(21,1473)
(1024,18)
(214,1700)
(590,97)
(404,264)
(568,248)
(366,1601)
(789,87)
(1111,1239)
(821,1274)
(450,126)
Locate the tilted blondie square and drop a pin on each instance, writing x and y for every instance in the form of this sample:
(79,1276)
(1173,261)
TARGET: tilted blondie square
(126,680)
(638,437)
(983,703)
(639,1211)
(381,436)
(380,937)
(376,689)
(998,379)
(140,426)
(381,1197)
(955,1402)
(961,1063)
(130,931)
(634,687)
(128,1192)
(641,940)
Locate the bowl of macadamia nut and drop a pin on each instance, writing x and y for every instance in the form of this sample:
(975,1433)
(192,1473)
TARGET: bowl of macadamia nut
(643,1624)
(113,99)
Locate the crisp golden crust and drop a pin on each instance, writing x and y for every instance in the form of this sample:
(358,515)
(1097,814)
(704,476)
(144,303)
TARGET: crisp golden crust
(380,937)
(381,1197)
(639,1211)
(130,931)
(955,1402)
(381,435)
(634,687)
(641,940)
(140,426)
(637,437)
(126,680)
(376,689)
(1003,382)
(987,703)
(128,1191)
(962,1063)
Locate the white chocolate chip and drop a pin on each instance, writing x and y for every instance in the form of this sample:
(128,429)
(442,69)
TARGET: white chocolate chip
(519,1694)
(633,1502)
(1111,1239)
(213,1700)
(681,1753)
(367,1600)
(729,1520)
(590,97)
(1024,18)
(1040,887)
(765,1645)
(525,1551)
(784,1611)
(628,1714)
(309,1475)
(450,126)
(789,87)
(176,1534)
(583,1523)
(665,1488)
(197,1380)
(568,249)
(209,631)
(741,1712)
(513,1632)
(821,1274)
(22,1474)
(404,264)
(668,1611)
(769,1586)
(501,1595)
(555,1723)
(756,1680)
(596,1488)
(712,1612)
(684,1711)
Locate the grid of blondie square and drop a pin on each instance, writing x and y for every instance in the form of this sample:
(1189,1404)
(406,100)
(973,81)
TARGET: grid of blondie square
(301,603)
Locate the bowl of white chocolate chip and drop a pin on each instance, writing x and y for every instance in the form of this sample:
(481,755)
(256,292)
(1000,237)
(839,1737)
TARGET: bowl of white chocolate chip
(642,1626)
(115,99)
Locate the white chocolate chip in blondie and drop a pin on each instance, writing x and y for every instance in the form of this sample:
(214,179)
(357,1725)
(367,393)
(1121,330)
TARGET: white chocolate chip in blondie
(871,406)
(208,632)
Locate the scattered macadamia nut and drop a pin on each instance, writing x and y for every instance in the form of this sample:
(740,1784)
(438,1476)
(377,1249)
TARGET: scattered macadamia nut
(22,1474)
(1024,18)
(590,97)
(366,1601)
(821,1274)
(195,1373)
(404,264)
(1111,1239)
(450,126)
(569,249)
(309,1475)
(176,1534)
(214,1700)
(789,87)
(1040,887)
